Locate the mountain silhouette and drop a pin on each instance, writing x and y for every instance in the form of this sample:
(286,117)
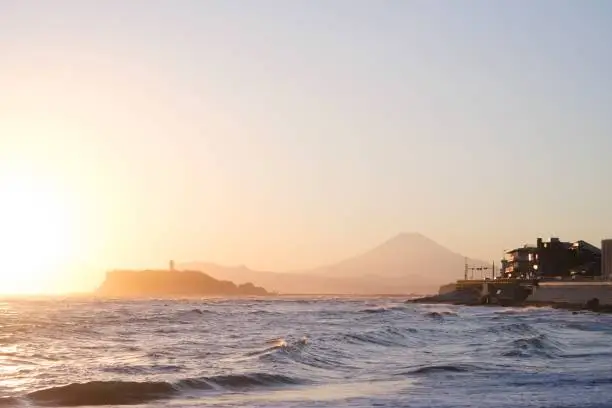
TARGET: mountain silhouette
(406,263)
(406,254)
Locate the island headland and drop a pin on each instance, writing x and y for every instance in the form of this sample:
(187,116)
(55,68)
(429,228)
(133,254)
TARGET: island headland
(171,283)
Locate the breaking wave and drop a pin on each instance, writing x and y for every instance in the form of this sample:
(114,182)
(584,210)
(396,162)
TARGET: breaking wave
(536,346)
(382,308)
(131,392)
(283,352)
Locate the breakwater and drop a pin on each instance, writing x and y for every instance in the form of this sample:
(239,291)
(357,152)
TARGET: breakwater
(570,295)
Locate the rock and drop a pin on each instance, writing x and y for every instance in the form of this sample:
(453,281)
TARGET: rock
(592,305)
(457,297)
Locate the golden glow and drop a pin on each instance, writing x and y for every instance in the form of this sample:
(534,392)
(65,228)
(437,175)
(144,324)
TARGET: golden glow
(37,234)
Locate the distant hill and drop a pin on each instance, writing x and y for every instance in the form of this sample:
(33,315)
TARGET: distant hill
(164,283)
(406,263)
(407,254)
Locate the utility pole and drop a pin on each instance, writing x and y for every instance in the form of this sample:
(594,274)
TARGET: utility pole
(466,268)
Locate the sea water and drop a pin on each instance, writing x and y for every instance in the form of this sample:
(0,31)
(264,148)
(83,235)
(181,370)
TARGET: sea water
(300,352)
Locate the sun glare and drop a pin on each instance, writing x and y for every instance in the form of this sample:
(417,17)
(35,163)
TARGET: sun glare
(36,235)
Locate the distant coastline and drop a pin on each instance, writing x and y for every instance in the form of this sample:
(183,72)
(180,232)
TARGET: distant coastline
(404,264)
(171,283)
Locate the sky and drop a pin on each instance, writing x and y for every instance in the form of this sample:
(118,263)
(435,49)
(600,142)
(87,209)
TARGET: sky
(289,134)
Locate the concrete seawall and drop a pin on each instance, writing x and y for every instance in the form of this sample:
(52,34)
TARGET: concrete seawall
(577,293)
(566,295)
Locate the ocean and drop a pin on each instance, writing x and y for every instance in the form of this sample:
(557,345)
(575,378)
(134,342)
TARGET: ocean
(300,352)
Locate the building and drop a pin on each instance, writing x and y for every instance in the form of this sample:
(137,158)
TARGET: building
(586,259)
(606,259)
(553,259)
(519,263)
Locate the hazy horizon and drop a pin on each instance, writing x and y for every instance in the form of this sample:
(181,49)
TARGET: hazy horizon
(289,135)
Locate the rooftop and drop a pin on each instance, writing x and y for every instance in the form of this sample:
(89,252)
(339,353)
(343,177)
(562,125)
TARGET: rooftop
(522,249)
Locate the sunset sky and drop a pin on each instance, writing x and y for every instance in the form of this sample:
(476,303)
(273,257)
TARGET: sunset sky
(289,134)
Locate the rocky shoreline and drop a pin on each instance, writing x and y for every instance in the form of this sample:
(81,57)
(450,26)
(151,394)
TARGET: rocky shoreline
(472,297)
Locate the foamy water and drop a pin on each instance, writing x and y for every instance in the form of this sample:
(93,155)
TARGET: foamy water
(300,353)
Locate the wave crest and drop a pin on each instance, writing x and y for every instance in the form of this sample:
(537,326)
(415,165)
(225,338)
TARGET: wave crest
(102,393)
(536,346)
(132,392)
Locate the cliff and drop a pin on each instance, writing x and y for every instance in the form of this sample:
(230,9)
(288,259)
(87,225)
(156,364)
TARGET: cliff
(172,283)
